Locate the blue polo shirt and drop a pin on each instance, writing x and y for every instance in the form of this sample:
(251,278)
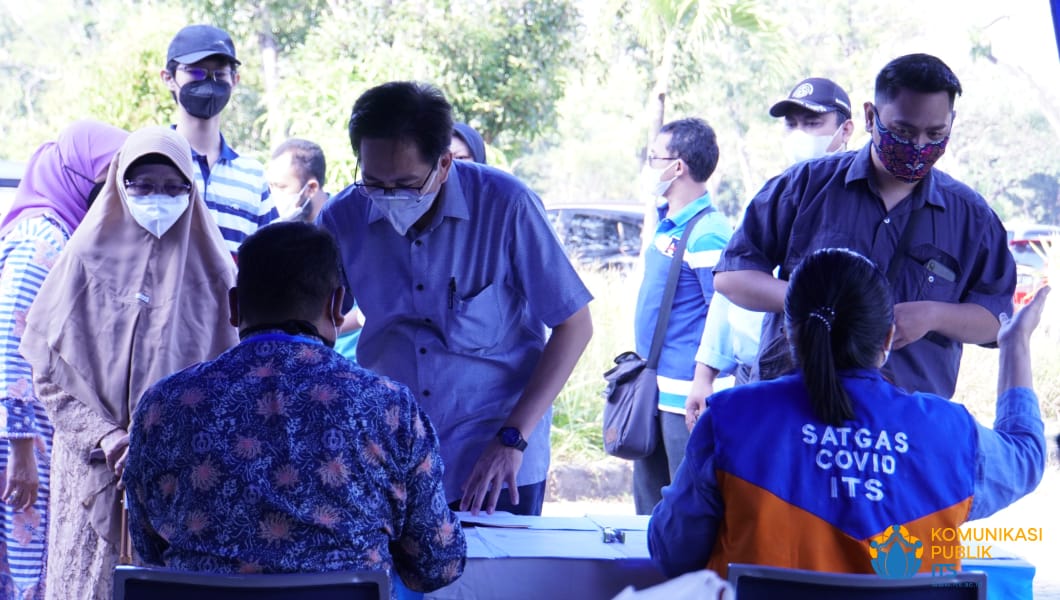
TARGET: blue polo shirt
(236,193)
(958,252)
(458,311)
(695,288)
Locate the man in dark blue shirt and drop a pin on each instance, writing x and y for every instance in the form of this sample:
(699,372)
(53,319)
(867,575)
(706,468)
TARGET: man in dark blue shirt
(944,250)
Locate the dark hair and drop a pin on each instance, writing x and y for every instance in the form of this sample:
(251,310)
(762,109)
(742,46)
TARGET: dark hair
(153,158)
(918,73)
(838,312)
(407,111)
(307,158)
(287,271)
(693,141)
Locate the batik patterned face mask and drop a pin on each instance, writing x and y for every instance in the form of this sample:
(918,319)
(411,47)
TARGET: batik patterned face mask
(902,158)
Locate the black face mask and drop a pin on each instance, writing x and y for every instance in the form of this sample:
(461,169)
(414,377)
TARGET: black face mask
(205,99)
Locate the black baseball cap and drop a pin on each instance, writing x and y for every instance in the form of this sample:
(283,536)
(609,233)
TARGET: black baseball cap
(196,42)
(815,94)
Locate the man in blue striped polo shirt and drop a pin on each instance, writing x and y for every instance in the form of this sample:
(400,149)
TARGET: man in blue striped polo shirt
(680,160)
(201,71)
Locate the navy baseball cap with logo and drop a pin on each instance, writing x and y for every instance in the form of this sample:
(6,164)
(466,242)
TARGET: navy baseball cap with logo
(196,42)
(814,94)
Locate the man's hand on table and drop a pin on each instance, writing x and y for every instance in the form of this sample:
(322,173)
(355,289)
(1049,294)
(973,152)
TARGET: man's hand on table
(497,465)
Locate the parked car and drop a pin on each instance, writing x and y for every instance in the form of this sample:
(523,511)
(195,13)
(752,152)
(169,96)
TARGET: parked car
(599,236)
(10,175)
(1026,243)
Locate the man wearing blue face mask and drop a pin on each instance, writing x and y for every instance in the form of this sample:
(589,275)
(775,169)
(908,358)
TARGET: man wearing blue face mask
(942,248)
(458,273)
(201,72)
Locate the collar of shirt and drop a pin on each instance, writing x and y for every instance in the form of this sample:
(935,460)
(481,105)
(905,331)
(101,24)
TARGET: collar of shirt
(862,168)
(227,153)
(684,215)
(451,202)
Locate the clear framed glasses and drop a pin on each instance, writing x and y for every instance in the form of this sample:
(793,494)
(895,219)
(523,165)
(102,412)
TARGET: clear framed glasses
(199,73)
(370,188)
(169,188)
(652,158)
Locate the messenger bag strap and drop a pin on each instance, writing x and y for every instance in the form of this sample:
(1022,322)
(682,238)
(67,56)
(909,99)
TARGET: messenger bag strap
(671,288)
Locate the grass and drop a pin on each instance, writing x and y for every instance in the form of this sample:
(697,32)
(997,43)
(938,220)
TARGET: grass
(577,417)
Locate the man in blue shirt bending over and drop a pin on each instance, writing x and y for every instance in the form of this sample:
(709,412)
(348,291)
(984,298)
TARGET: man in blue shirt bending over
(458,272)
(680,160)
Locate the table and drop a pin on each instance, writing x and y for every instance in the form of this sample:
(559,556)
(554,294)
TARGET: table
(552,558)
(555,558)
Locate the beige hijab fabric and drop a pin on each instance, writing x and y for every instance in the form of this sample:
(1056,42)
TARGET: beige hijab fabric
(121,308)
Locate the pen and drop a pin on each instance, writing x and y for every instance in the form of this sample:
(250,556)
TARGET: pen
(452,292)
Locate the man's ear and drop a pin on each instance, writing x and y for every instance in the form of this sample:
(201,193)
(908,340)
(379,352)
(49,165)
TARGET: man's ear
(868,116)
(336,306)
(312,187)
(233,307)
(848,130)
(445,163)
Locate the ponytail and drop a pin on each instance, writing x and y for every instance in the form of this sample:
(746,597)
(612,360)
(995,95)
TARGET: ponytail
(839,312)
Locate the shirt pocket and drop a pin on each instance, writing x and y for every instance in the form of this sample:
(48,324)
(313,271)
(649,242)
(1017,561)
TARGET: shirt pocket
(929,273)
(478,321)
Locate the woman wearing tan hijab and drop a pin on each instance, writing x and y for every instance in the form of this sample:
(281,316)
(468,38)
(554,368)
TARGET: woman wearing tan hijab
(140,292)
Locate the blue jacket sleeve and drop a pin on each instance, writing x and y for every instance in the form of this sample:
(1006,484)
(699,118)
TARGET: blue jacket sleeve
(1010,458)
(684,524)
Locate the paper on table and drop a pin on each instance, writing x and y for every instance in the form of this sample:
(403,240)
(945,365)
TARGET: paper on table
(510,521)
(544,543)
(624,522)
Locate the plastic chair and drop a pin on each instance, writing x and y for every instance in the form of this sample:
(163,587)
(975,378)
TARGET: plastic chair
(142,583)
(755,582)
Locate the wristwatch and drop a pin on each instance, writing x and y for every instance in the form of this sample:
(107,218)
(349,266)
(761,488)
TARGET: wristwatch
(512,438)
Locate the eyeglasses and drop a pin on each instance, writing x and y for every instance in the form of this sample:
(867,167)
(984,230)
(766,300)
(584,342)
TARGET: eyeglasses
(144,188)
(652,158)
(198,73)
(369,189)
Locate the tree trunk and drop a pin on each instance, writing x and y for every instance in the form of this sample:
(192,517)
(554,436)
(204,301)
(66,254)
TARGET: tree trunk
(275,123)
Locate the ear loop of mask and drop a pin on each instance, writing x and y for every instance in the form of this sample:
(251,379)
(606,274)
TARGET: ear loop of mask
(68,171)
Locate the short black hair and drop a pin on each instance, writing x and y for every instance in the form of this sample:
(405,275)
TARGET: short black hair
(307,158)
(404,110)
(287,271)
(693,141)
(918,73)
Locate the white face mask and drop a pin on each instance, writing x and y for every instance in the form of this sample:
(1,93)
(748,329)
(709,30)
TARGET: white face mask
(288,207)
(402,207)
(649,182)
(157,212)
(800,146)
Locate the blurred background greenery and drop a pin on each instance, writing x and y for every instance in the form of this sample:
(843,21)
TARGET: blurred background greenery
(565,92)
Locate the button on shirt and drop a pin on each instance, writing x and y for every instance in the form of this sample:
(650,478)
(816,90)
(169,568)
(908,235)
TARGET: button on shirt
(695,288)
(236,193)
(957,252)
(457,312)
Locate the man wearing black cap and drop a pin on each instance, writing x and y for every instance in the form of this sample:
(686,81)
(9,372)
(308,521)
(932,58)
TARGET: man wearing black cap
(817,117)
(201,72)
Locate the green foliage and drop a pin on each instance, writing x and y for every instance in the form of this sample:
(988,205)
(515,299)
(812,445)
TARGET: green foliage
(509,96)
(577,417)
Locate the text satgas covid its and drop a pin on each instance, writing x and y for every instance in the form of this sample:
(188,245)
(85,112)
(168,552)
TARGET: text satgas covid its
(864,458)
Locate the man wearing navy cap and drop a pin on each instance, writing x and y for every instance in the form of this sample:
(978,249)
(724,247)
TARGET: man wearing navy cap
(817,116)
(201,72)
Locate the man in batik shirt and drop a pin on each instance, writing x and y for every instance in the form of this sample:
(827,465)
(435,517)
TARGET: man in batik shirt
(282,456)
